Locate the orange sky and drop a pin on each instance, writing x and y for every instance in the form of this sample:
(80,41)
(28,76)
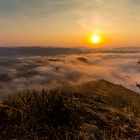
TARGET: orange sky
(69,22)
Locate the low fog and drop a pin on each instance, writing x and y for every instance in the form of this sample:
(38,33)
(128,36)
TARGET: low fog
(20,72)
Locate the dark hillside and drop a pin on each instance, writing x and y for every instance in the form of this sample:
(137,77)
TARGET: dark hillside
(113,95)
(93,111)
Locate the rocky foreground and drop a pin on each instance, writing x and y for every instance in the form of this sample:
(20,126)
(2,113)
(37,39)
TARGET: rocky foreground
(97,110)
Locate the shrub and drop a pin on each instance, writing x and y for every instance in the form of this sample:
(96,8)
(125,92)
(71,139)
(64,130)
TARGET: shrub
(38,111)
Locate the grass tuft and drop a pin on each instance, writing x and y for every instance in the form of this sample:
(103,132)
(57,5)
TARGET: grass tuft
(61,115)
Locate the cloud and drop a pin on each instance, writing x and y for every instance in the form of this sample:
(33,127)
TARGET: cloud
(81,8)
(34,8)
(20,73)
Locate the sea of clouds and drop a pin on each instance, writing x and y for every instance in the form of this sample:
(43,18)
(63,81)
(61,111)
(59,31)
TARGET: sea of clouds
(18,73)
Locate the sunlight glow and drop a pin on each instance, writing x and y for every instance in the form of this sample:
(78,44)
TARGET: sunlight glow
(95,39)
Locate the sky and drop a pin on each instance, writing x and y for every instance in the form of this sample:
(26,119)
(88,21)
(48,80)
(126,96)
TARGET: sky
(69,22)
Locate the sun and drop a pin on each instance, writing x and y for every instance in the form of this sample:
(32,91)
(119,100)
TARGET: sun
(96,39)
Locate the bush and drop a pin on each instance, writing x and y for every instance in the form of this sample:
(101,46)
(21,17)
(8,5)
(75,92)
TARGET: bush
(38,111)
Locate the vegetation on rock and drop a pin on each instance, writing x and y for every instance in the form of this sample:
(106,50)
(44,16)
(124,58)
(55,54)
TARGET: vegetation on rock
(97,110)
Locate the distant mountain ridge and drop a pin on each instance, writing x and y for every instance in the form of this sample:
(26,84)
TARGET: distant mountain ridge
(35,51)
(43,51)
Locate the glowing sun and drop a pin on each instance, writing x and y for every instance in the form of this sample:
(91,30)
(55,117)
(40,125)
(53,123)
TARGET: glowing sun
(96,39)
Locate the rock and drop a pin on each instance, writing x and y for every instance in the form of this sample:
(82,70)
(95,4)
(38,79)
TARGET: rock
(90,132)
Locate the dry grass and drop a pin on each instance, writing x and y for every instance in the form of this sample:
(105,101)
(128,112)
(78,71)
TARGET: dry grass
(59,115)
